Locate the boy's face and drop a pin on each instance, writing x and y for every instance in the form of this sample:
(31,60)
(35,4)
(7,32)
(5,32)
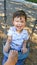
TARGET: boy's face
(19,23)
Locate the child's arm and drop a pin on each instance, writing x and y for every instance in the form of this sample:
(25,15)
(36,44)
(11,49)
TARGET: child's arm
(7,45)
(24,49)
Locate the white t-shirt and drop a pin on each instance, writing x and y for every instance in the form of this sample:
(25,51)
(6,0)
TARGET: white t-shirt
(17,38)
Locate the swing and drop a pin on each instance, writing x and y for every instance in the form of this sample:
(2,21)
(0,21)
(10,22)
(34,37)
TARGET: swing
(20,55)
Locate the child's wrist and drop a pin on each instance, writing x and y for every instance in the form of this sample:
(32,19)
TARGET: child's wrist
(7,43)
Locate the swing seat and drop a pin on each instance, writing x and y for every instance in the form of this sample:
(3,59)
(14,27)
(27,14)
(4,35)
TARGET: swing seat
(20,54)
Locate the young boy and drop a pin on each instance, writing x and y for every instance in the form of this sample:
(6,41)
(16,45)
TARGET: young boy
(17,35)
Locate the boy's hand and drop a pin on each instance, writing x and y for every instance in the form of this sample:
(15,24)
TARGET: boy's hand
(24,50)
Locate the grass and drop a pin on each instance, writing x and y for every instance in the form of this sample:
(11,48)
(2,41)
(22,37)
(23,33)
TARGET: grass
(35,1)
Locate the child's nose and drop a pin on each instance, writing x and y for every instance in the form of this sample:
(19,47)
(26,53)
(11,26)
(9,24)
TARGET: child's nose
(19,23)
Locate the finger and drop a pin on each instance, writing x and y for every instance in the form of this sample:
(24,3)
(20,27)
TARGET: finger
(14,52)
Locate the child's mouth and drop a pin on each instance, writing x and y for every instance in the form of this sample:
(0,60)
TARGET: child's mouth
(19,27)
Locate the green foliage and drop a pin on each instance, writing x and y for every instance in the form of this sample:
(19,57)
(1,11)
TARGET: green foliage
(32,1)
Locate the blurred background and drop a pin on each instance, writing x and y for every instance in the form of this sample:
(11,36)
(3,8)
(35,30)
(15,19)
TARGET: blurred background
(7,8)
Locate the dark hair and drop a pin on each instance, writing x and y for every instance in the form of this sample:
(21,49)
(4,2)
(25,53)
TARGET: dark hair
(19,13)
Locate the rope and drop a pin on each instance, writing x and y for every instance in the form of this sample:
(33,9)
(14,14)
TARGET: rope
(35,22)
(5,11)
(5,18)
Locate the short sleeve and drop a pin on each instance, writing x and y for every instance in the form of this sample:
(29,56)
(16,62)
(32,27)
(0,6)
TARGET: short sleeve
(9,32)
(25,35)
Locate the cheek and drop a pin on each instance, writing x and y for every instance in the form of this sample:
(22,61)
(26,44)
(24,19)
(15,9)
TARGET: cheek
(15,23)
(23,24)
